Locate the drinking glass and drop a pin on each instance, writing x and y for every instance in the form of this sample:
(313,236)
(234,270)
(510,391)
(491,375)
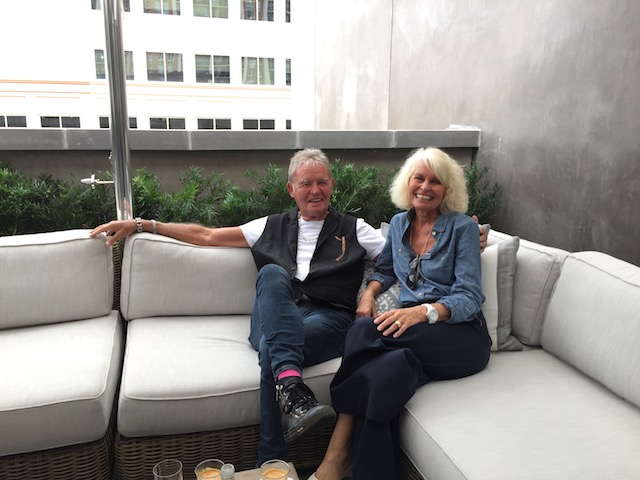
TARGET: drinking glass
(274,470)
(209,469)
(168,470)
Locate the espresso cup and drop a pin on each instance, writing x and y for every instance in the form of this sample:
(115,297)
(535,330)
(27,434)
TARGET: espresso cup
(274,470)
(209,469)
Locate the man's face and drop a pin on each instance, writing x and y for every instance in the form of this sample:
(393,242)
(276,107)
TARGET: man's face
(311,189)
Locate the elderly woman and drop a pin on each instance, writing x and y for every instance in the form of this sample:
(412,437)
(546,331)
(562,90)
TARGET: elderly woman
(439,333)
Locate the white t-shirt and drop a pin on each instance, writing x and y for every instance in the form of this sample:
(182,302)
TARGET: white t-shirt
(308,232)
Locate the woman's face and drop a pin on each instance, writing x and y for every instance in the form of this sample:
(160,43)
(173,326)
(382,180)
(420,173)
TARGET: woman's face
(425,189)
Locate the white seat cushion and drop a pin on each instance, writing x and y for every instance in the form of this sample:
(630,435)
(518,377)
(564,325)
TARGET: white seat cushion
(58,383)
(192,374)
(527,416)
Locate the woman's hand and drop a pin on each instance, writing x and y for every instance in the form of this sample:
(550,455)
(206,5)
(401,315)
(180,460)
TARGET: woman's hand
(396,322)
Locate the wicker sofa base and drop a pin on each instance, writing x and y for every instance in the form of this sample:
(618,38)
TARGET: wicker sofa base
(135,457)
(87,461)
(406,469)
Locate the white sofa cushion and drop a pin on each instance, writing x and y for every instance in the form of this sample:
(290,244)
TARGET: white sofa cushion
(54,277)
(593,321)
(192,374)
(162,276)
(58,383)
(537,269)
(527,416)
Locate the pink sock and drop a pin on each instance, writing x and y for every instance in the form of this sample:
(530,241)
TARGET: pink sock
(289,373)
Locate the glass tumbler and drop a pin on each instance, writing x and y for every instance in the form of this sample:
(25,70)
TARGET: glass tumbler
(168,470)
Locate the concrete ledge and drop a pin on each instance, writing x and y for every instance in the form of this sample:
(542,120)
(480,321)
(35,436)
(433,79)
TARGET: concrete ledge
(182,140)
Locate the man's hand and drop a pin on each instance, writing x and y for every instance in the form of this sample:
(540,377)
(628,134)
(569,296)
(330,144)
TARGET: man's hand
(115,230)
(484,235)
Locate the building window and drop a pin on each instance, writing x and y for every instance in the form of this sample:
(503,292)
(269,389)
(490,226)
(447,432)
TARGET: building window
(101,69)
(211,8)
(250,124)
(128,65)
(50,122)
(176,124)
(166,7)
(288,125)
(288,77)
(14,121)
(158,123)
(221,69)
(55,122)
(70,122)
(250,70)
(257,10)
(223,124)
(211,124)
(219,73)
(257,71)
(287,15)
(164,66)
(104,122)
(203,69)
(254,124)
(205,124)
(97,5)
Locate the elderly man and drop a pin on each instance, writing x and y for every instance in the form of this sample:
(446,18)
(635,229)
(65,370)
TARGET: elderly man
(310,263)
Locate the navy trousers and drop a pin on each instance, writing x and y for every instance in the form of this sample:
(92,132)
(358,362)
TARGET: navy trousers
(378,375)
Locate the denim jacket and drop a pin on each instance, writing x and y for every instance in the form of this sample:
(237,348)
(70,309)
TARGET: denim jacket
(449,272)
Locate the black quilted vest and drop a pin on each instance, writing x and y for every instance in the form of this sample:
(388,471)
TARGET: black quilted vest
(337,265)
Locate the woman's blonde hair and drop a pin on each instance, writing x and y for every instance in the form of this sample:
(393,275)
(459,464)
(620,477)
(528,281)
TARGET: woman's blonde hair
(444,167)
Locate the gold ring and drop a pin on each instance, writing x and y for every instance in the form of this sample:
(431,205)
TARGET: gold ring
(397,322)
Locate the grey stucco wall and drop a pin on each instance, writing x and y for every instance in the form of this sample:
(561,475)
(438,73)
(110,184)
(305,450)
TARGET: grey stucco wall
(554,86)
(75,153)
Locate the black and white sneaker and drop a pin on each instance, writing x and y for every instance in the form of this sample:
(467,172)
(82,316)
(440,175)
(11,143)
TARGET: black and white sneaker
(301,412)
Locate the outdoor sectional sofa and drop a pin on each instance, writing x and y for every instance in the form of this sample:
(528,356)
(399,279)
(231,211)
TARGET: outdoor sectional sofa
(560,398)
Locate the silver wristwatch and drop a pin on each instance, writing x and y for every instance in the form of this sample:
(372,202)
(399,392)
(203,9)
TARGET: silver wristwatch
(432,313)
(138,225)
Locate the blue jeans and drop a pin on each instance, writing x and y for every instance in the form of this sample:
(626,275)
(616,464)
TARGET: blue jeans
(288,336)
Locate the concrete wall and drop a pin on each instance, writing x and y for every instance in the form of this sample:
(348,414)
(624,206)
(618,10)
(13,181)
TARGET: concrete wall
(554,86)
(71,153)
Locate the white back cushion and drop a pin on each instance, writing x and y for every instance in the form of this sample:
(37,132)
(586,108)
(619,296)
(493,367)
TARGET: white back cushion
(54,277)
(593,320)
(162,276)
(537,269)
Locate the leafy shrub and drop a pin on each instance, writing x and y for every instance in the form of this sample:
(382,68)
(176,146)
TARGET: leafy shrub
(484,195)
(46,204)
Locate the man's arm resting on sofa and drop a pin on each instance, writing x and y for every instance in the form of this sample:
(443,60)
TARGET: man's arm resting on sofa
(185,232)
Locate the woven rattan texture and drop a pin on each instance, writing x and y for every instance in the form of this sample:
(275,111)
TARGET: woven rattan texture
(88,461)
(135,457)
(406,470)
(116,252)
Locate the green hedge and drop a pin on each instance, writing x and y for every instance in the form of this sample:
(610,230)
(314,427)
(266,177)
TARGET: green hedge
(46,204)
